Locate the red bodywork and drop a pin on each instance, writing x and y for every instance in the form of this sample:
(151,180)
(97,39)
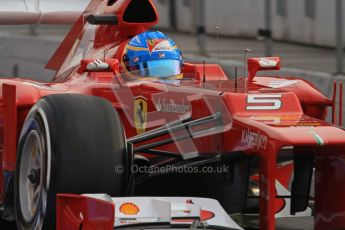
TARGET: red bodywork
(265,117)
(81,212)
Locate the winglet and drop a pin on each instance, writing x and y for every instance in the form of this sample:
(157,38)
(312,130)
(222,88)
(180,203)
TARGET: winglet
(262,64)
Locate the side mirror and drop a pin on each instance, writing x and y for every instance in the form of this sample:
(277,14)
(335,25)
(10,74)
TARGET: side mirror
(102,19)
(262,64)
(98,65)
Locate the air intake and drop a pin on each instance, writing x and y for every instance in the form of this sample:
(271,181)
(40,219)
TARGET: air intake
(140,11)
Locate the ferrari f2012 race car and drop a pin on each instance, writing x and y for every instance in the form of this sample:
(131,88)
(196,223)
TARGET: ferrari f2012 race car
(86,131)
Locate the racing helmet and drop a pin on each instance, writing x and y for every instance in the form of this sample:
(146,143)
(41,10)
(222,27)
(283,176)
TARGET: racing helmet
(153,55)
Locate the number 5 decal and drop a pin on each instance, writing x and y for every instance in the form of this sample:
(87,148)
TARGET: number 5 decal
(264,102)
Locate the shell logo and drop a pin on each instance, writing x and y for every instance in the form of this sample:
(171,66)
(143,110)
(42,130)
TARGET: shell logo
(129,209)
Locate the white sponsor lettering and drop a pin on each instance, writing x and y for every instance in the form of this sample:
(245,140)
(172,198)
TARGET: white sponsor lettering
(278,83)
(39,85)
(97,65)
(162,46)
(267,63)
(255,140)
(172,107)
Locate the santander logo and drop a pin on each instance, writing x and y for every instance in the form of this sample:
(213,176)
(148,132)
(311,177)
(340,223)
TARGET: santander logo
(169,106)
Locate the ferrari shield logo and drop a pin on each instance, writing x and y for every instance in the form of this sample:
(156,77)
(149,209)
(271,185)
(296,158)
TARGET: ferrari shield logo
(152,43)
(140,114)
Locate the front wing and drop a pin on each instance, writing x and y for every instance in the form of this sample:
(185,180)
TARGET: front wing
(100,211)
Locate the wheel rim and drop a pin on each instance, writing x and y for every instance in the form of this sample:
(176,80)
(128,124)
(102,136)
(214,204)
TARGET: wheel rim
(31,176)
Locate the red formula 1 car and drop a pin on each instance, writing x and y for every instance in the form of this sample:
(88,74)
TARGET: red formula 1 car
(88,130)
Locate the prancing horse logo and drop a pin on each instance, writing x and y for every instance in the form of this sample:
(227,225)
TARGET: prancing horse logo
(140,114)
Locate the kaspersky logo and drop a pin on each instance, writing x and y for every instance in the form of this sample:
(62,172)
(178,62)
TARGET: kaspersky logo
(164,105)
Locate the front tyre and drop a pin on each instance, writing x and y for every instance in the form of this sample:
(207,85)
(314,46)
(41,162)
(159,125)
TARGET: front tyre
(69,144)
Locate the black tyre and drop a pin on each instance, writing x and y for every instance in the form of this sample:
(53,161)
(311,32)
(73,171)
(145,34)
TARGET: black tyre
(7,225)
(69,144)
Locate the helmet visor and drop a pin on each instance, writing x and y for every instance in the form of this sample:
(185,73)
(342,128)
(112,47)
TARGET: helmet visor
(160,68)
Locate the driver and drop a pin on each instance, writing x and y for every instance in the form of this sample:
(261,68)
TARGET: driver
(152,56)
